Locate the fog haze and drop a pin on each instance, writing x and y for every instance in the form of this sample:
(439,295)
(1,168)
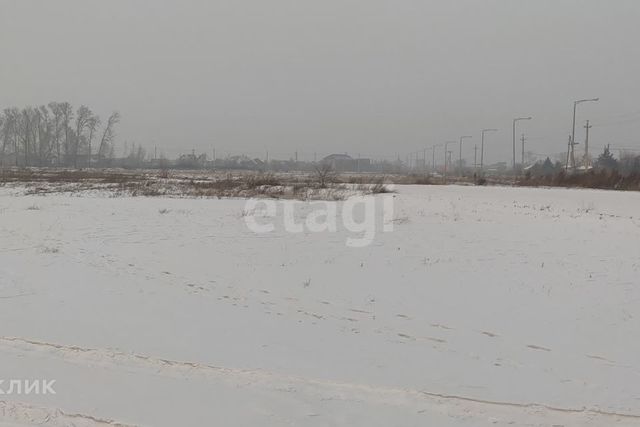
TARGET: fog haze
(370,77)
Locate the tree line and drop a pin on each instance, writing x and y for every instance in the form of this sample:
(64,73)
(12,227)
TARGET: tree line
(56,134)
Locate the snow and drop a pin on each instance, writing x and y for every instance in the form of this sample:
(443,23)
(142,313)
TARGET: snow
(484,306)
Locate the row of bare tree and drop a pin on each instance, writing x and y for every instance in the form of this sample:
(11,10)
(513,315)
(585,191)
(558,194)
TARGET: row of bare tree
(56,135)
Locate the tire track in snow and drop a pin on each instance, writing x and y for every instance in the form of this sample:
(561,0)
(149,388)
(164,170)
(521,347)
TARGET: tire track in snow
(18,412)
(117,360)
(550,408)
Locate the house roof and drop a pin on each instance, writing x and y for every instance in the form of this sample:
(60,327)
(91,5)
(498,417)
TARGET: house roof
(331,157)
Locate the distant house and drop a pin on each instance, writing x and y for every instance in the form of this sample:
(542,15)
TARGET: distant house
(499,167)
(334,157)
(346,163)
(191,161)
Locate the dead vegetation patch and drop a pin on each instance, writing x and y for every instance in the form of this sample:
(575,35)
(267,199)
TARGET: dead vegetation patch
(597,179)
(186,184)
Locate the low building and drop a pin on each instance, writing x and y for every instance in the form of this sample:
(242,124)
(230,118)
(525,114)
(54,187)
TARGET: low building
(346,163)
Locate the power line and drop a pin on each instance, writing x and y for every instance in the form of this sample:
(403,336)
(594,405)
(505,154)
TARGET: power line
(618,123)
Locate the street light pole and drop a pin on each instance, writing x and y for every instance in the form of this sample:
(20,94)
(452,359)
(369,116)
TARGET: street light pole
(514,139)
(572,143)
(482,147)
(460,154)
(446,144)
(433,157)
(424,161)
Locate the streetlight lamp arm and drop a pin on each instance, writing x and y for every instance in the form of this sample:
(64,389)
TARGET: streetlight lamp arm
(587,100)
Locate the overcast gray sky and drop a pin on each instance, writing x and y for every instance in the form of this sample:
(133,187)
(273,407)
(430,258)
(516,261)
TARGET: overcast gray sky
(375,77)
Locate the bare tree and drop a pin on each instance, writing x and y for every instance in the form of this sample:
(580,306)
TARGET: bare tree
(27,125)
(3,123)
(324,174)
(108,135)
(44,135)
(57,124)
(83,116)
(10,131)
(92,125)
(66,112)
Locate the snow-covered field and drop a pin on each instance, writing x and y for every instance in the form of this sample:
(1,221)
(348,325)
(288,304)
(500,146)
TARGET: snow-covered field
(484,306)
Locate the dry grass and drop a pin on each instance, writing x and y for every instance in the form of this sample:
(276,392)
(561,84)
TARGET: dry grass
(602,179)
(389,179)
(176,184)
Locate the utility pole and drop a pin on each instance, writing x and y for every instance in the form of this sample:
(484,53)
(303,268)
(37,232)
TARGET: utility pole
(587,160)
(566,166)
(482,147)
(522,158)
(433,159)
(514,139)
(445,163)
(424,161)
(447,158)
(513,163)
(475,156)
(460,156)
(571,160)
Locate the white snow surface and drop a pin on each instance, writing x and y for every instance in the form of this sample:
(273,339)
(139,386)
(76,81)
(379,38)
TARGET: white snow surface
(485,306)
